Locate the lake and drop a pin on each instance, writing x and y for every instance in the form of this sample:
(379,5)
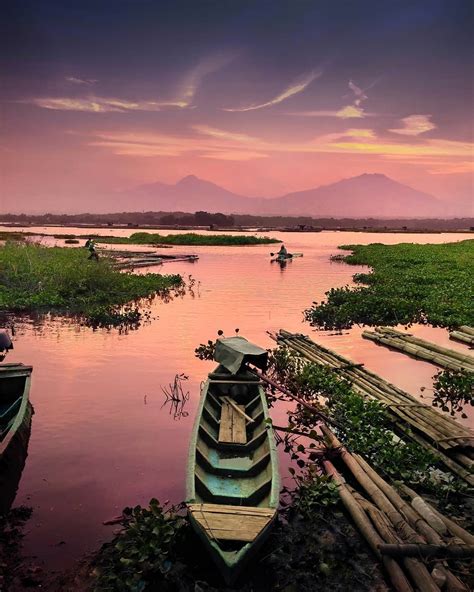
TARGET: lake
(101,439)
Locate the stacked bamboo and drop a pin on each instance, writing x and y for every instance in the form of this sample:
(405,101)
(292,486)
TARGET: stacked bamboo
(401,534)
(464,334)
(421,349)
(452,443)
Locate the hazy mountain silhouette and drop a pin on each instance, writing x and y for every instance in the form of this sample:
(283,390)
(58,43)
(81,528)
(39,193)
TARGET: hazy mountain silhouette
(190,194)
(367,195)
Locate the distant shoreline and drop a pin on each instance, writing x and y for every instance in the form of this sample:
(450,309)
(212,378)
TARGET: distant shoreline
(439,226)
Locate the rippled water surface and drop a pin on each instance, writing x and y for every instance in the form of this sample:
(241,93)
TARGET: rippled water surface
(100,438)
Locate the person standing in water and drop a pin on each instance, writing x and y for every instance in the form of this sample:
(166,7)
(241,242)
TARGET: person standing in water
(90,246)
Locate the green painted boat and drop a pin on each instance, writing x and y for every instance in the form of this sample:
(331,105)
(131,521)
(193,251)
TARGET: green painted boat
(233,480)
(15,422)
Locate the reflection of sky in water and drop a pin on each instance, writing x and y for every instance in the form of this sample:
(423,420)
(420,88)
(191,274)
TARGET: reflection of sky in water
(100,439)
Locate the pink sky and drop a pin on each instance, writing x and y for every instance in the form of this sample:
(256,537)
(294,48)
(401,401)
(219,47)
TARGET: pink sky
(238,109)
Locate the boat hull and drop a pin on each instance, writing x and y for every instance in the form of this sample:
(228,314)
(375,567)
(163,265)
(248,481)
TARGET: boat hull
(15,424)
(232,488)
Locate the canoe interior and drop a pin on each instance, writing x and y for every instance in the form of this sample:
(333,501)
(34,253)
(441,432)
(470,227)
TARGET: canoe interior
(12,389)
(229,474)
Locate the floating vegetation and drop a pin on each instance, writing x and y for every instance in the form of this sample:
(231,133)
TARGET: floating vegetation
(452,390)
(409,283)
(37,278)
(142,554)
(175,397)
(189,238)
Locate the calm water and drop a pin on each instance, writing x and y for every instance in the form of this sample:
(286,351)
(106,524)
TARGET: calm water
(100,439)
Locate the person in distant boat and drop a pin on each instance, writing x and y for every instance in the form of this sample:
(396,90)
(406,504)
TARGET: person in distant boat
(90,246)
(282,253)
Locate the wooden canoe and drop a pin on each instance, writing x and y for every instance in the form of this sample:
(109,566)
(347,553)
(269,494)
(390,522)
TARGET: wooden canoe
(233,480)
(15,421)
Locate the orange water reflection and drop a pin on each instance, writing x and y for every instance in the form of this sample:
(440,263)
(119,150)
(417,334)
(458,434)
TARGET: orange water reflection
(100,440)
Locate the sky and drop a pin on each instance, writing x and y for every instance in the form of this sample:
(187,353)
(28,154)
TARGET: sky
(263,97)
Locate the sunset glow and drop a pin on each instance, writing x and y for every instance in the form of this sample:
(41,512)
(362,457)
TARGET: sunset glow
(261,100)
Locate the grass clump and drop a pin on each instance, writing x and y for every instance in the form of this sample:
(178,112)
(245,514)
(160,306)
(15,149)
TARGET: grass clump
(33,277)
(189,239)
(144,553)
(409,283)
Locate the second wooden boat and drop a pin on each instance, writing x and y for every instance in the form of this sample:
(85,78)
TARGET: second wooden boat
(15,420)
(233,480)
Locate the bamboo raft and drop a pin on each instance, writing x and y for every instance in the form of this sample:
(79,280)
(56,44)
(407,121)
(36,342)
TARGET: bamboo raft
(401,533)
(452,443)
(421,349)
(408,536)
(464,334)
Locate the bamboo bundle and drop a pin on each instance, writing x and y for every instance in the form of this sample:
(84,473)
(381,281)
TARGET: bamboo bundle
(445,351)
(464,334)
(374,540)
(405,533)
(416,550)
(451,442)
(421,349)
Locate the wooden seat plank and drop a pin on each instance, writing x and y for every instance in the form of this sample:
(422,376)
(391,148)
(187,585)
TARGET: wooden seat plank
(235,523)
(232,428)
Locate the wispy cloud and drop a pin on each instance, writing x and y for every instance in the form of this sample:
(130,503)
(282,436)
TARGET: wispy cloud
(358,92)
(183,99)
(295,88)
(353,111)
(414,125)
(222,134)
(209,142)
(93,104)
(349,112)
(81,81)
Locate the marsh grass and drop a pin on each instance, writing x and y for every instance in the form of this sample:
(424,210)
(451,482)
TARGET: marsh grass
(33,277)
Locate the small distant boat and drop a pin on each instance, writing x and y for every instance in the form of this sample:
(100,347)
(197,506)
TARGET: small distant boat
(15,421)
(285,258)
(233,481)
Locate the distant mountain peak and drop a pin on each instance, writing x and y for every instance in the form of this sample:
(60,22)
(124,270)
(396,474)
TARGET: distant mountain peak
(366,195)
(190,179)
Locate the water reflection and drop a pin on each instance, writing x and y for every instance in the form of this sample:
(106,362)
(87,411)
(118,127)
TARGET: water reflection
(96,447)
(175,397)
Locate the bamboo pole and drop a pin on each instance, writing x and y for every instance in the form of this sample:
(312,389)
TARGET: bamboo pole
(430,532)
(419,352)
(417,550)
(302,402)
(451,353)
(417,570)
(373,539)
(467,329)
(367,380)
(453,527)
(364,382)
(463,337)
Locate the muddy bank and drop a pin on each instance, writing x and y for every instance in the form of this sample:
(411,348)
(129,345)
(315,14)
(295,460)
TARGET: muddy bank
(300,556)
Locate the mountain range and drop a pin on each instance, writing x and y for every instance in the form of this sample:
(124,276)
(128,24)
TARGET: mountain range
(367,195)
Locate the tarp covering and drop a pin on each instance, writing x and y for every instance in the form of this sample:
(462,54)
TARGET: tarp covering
(233,352)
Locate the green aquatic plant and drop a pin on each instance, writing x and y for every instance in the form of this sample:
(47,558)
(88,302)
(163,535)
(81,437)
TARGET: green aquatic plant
(452,390)
(363,425)
(144,552)
(409,283)
(37,278)
(188,239)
